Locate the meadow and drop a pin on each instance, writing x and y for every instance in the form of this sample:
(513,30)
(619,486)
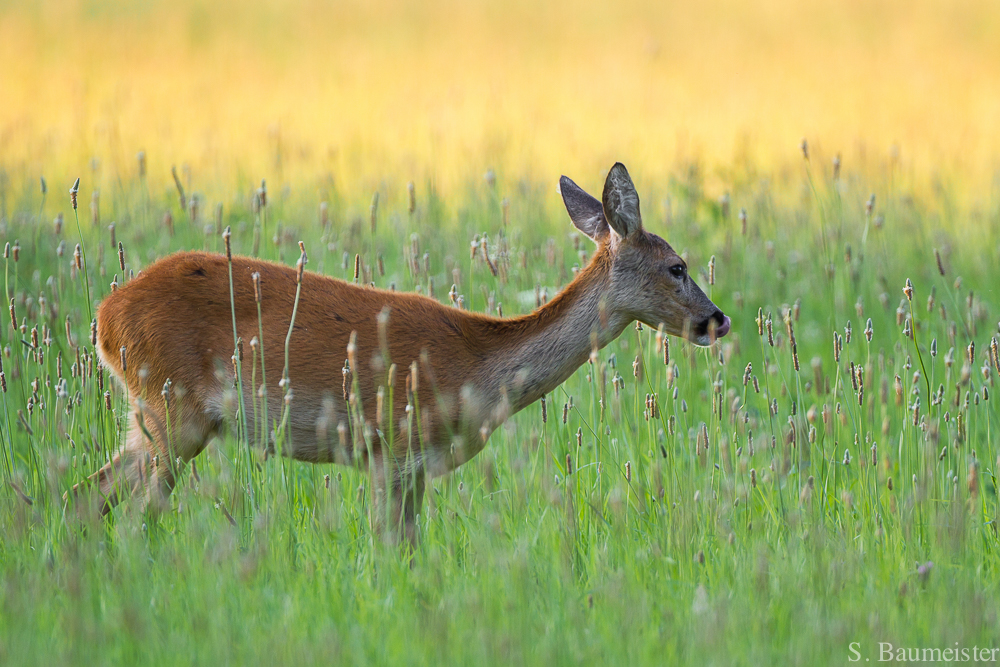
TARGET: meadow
(824,478)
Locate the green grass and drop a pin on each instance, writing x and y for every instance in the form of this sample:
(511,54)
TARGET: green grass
(687,562)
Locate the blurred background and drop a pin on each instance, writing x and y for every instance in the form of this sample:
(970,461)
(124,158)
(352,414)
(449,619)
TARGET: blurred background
(443,91)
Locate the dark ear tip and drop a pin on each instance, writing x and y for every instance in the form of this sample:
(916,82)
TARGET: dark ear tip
(618,170)
(567,188)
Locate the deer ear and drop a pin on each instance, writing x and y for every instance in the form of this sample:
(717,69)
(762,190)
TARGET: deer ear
(586,212)
(621,203)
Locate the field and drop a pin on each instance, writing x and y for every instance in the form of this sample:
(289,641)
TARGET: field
(821,481)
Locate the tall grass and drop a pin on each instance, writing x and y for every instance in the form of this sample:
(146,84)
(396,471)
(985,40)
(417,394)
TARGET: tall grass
(823,476)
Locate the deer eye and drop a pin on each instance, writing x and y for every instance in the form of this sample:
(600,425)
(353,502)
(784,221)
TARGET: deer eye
(678,270)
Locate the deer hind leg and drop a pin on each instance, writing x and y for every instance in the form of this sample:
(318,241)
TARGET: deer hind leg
(397,496)
(148,464)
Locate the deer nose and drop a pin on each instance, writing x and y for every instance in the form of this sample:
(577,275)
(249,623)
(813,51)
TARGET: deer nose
(724,324)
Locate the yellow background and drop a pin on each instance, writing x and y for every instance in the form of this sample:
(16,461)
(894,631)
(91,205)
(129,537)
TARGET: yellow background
(444,90)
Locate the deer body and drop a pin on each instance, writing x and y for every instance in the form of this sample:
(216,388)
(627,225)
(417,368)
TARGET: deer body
(458,375)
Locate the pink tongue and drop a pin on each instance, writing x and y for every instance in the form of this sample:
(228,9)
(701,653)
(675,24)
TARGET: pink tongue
(724,327)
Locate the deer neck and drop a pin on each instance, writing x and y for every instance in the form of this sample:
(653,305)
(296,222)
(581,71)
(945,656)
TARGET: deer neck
(541,350)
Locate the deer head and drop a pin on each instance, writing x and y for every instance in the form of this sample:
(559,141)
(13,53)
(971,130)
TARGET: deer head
(649,281)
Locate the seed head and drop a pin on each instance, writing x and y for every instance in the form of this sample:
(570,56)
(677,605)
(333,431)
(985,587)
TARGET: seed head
(324,214)
(412,190)
(73,192)
(262,193)
(908,290)
(352,350)
(300,266)
(256,286)
(226,236)
(379,406)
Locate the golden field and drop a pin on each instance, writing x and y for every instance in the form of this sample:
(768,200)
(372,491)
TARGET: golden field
(442,91)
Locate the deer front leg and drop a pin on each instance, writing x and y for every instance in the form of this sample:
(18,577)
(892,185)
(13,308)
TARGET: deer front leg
(397,496)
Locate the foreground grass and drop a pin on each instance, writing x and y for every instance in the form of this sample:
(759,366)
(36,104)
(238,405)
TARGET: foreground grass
(697,511)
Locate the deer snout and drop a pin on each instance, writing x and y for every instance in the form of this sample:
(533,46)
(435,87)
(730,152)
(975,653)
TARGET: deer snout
(714,327)
(723,324)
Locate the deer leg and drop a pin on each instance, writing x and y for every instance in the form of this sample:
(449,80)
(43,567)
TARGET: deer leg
(397,496)
(148,463)
(124,474)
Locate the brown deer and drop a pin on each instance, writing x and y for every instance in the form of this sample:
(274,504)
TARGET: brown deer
(465,373)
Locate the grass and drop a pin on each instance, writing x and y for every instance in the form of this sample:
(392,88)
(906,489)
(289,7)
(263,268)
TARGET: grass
(696,513)
(725,525)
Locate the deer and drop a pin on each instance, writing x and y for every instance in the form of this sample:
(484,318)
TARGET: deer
(174,326)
